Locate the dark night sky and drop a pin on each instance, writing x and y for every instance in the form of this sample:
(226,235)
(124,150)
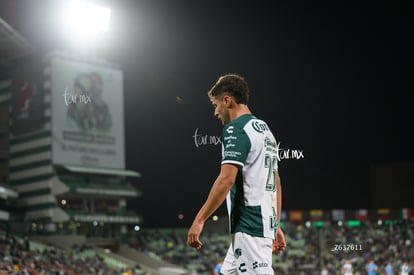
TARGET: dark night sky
(331,79)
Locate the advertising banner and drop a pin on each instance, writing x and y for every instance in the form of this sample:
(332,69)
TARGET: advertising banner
(87,114)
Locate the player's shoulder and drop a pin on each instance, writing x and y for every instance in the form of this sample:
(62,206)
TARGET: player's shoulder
(258,125)
(238,124)
(242,120)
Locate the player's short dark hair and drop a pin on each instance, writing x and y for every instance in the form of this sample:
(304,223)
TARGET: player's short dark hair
(233,85)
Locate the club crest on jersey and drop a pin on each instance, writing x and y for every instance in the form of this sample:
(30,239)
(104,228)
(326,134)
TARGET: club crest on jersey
(230,129)
(259,126)
(237,252)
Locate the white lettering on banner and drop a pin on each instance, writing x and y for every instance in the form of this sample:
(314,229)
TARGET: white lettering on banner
(200,140)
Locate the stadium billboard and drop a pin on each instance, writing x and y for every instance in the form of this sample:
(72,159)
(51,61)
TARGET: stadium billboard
(27,107)
(87,114)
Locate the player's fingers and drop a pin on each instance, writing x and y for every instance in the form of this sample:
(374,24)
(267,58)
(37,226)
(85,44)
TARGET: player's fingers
(281,243)
(278,250)
(194,241)
(196,244)
(278,247)
(275,248)
(190,239)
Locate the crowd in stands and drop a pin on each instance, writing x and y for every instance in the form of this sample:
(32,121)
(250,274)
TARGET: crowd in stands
(310,249)
(18,258)
(381,244)
(171,245)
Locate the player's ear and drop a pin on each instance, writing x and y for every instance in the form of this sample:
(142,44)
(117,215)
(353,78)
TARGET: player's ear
(227,100)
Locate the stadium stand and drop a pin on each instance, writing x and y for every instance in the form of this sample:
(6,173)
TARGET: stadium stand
(310,247)
(163,251)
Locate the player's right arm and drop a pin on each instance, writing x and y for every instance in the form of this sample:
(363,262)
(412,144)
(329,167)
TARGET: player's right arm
(218,193)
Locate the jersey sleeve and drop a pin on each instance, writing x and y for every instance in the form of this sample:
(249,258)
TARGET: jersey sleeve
(236,145)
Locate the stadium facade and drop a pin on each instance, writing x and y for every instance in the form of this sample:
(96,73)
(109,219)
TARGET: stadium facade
(63,150)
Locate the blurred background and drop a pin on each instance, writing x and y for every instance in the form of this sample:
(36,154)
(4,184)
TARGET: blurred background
(109,145)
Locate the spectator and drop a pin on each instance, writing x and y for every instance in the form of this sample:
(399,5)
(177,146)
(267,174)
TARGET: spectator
(388,269)
(217,268)
(371,267)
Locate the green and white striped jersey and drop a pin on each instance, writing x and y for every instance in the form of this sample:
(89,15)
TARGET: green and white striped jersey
(248,143)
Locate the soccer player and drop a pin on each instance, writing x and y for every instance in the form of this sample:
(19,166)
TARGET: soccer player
(248,180)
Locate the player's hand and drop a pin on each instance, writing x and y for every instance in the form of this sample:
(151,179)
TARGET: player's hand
(279,244)
(193,238)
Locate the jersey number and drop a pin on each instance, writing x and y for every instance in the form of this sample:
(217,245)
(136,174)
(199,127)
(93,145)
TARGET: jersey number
(270,164)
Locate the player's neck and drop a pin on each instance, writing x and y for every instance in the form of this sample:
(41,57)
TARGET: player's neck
(238,111)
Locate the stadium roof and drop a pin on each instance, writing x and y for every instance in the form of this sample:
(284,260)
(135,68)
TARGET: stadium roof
(12,44)
(103,171)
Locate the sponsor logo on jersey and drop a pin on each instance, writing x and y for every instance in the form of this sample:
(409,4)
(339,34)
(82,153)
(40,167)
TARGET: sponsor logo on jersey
(231,154)
(229,138)
(230,129)
(270,143)
(229,145)
(259,265)
(259,126)
(242,267)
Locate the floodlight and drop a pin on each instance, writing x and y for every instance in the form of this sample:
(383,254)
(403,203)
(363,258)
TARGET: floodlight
(85,20)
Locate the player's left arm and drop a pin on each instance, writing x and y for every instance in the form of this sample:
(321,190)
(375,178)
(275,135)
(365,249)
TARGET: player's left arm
(218,193)
(279,244)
